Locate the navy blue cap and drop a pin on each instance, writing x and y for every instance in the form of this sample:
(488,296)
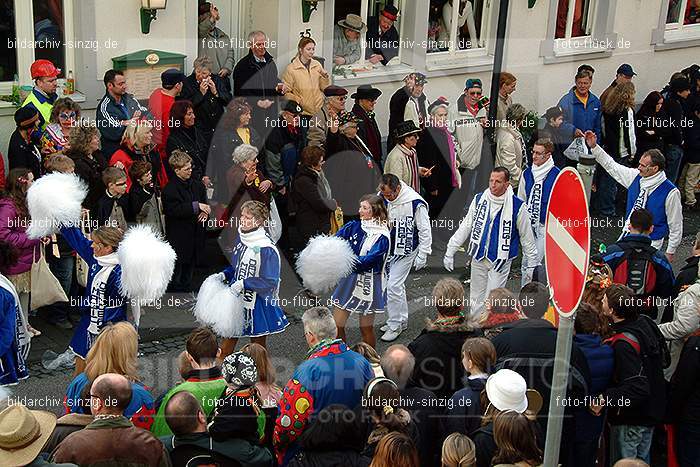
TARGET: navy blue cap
(171,77)
(626,69)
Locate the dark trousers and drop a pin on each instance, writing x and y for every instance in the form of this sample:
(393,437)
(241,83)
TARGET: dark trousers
(182,278)
(62,268)
(688,444)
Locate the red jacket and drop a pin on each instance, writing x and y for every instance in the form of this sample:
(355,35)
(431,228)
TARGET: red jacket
(159,104)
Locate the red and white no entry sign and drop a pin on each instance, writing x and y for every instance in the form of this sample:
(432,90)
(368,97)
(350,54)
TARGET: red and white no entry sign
(567,241)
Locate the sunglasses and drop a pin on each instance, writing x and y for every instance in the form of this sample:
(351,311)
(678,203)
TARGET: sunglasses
(65,115)
(474,93)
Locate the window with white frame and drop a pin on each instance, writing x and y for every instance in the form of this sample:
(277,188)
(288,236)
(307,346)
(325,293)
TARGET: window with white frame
(683,14)
(369,11)
(452,29)
(575,18)
(32,30)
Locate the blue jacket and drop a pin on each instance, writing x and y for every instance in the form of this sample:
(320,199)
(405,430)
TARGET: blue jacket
(332,374)
(576,115)
(374,259)
(464,412)
(115,308)
(13,367)
(601,362)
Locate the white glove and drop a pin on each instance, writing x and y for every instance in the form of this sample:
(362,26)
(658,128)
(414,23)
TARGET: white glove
(420,261)
(449,263)
(237,287)
(221,276)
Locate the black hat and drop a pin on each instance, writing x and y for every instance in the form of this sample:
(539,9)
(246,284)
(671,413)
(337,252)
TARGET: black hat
(26,116)
(171,77)
(680,84)
(439,102)
(585,67)
(553,112)
(420,78)
(366,91)
(391,12)
(292,107)
(406,128)
(334,90)
(626,69)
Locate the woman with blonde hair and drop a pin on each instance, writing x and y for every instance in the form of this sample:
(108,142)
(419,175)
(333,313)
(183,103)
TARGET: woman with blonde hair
(305,78)
(254,276)
(137,145)
(370,355)
(114,351)
(103,300)
(619,140)
(270,392)
(458,451)
(395,449)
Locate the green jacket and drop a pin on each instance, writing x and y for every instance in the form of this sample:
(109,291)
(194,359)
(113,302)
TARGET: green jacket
(248,454)
(206,385)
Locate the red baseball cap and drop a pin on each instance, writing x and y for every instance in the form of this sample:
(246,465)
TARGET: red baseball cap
(44,68)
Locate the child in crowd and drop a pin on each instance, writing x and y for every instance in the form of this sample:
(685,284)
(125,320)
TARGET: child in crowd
(145,206)
(113,205)
(238,414)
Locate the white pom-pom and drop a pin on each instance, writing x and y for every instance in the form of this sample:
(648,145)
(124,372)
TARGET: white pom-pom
(218,307)
(147,263)
(54,201)
(325,261)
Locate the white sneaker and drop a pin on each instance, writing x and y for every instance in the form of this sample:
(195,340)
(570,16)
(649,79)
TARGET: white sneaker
(391,334)
(404,325)
(384,328)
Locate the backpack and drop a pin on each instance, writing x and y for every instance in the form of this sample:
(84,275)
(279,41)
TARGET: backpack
(636,270)
(187,455)
(663,353)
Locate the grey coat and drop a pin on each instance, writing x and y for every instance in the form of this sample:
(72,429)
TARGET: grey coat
(216,45)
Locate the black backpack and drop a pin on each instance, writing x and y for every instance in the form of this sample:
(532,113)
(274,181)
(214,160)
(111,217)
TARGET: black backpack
(637,271)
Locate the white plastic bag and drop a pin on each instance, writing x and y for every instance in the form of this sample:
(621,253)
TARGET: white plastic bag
(577,149)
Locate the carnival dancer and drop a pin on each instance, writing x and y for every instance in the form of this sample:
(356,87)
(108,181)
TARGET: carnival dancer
(14,336)
(647,187)
(117,263)
(535,188)
(497,224)
(411,241)
(364,291)
(254,276)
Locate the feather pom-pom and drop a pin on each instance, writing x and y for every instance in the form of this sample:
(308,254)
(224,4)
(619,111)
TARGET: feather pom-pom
(325,261)
(219,307)
(54,201)
(147,263)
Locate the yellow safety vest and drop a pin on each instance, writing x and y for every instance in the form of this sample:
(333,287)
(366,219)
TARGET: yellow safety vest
(43,108)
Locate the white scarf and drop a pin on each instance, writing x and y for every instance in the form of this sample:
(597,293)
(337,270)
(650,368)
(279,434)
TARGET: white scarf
(482,225)
(249,266)
(647,185)
(98,302)
(364,284)
(630,127)
(534,201)
(401,220)
(21,334)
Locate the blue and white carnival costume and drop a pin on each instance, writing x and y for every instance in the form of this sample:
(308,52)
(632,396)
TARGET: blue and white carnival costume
(14,337)
(102,302)
(364,291)
(535,188)
(411,241)
(495,227)
(656,193)
(255,262)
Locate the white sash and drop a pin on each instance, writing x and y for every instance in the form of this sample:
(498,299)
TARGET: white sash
(98,301)
(364,282)
(249,265)
(21,334)
(482,222)
(402,220)
(647,185)
(534,201)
